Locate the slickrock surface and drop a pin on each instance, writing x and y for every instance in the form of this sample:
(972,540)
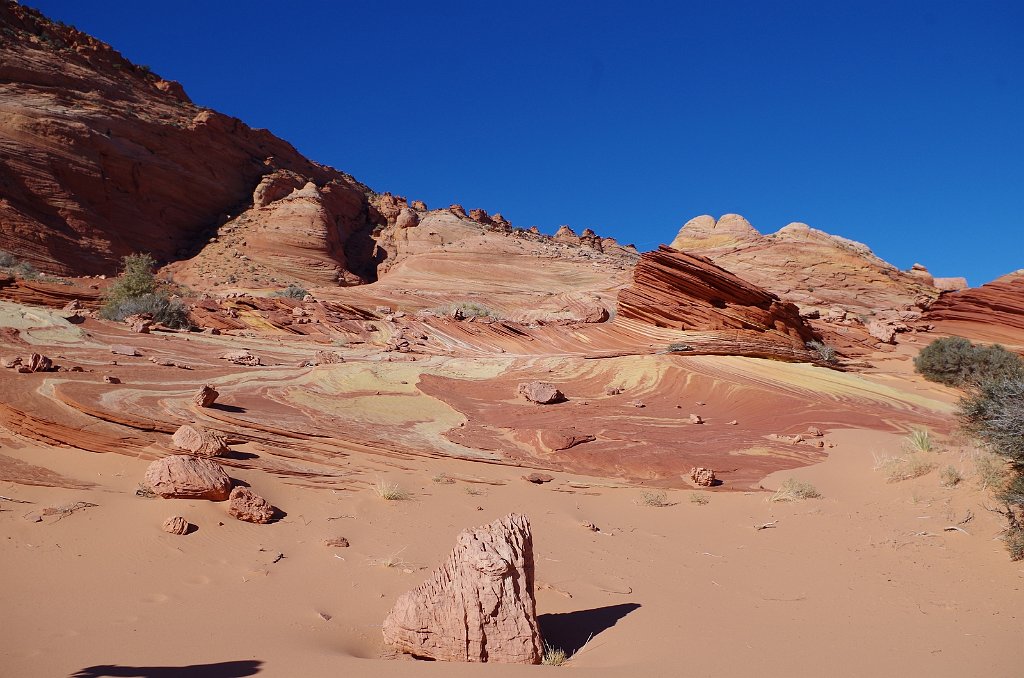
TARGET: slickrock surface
(805,266)
(479,606)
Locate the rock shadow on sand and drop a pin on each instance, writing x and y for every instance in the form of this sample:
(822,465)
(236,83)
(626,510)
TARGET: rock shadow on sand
(570,631)
(235,669)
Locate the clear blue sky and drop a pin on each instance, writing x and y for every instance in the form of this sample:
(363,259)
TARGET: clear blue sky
(899,123)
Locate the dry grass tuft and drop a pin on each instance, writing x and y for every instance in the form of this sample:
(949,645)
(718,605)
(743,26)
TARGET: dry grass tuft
(697,498)
(904,467)
(443,479)
(950,476)
(991,471)
(795,490)
(553,656)
(919,440)
(390,491)
(655,499)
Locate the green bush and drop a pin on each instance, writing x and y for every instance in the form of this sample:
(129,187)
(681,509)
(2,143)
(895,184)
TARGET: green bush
(955,361)
(136,291)
(293,291)
(17,267)
(826,354)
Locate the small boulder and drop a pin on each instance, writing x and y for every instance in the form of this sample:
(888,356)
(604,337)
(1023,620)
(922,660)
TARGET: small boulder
(704,477)
(198,440)
(814,431)
(637,403)
(248,506)
(183,476)
(38,363)
(176,525)
(205,396)
(540,392)
(336,542)
(11,361)
(731,423)
(110,379)
(140,323)
(884,332)
(72,306)
(120,349)
(696,419)
(407,218)
(242,358)
(539,478)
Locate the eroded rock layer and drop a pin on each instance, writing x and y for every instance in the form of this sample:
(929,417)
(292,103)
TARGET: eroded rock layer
(688,292)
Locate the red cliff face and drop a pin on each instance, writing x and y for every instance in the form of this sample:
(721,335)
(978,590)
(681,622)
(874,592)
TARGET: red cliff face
(992,312)
(100,158)
(687,292)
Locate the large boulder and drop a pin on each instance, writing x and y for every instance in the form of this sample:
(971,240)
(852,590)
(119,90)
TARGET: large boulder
(198,440)
(205,396)
(479,605)
(540,392)
(183,476)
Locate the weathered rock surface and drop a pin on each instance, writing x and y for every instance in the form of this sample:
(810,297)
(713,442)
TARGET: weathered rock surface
(103,158)
(198,440)
(479,606)
(540,392)
(248,506)
(687,292)
(242,358)
(205,396)
(704,477)
(183,476)
(998,303)
(176,525)
(804,265)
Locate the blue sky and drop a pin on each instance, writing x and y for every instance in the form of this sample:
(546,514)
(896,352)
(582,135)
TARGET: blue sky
(899,124)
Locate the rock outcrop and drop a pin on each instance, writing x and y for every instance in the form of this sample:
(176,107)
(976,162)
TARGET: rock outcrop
(246,505)
(198,440)
(998,303)
(540,392)
(806,266)
(205,396)
(100,158)
(176,525)
(703,477)
(477,607)
(183,476)
(688,292)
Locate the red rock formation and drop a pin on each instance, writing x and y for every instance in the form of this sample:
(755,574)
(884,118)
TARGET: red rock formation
(248,506)
(999,303)
(205,396)
(198,440)
(687,292)
(477,607)
(100,158)
(182,476)
(806,266)
(176,525)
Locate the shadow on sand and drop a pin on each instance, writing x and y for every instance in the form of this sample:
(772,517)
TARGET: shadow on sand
(570,631)
(236,669)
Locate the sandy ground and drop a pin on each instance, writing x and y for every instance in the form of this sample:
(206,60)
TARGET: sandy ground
(863,581)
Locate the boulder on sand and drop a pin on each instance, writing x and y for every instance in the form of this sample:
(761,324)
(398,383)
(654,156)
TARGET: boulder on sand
(182,476)
(198,440)
(248,506)
(205,396)
(479,606)
(540,392)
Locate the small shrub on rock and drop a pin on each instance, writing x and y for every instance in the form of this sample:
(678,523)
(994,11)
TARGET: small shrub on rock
(293,291)
(136,291)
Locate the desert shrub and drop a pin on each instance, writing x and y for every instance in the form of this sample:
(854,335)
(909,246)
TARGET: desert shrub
(905,467)
(990,470)
(994,413)
(136,291)
(7,259)
(467,309)
(293,291)
(950,476)
(659,499)
(165,310)
(1014,539)
(826,354)
(700,499)
(17,267)
(955,361)
(794,490)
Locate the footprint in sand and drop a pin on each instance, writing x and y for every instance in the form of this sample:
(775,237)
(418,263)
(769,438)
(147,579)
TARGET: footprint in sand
(157,598)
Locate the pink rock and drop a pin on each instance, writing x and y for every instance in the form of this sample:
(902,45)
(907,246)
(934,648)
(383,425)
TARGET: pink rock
(814,431)
(539,478)
(121,349)
(696,419)
(72,306)
(110,379)
(407,218)
(248,506)
(198,440)
(884,332)
(704,477)
(637,403)
(458,210)
(540,392)
(328,358)
(183,476)
(479,606)
(140,323)
(11,361)
(205,396)
(176,525)
(563,439)
(242,358)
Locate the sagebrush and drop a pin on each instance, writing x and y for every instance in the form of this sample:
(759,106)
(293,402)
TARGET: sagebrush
(137,290)
(955,361)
